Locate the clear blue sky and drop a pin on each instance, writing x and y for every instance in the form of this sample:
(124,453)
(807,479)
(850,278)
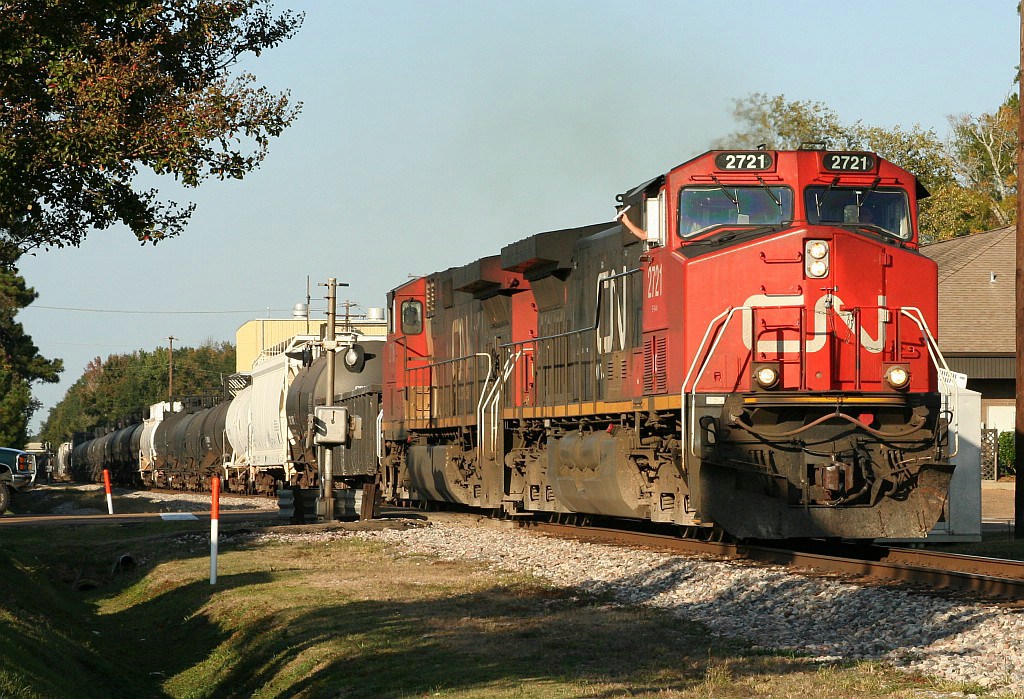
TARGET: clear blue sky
(434,133)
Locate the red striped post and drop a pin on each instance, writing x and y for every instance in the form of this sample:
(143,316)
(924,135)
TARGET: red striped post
(106,486)
(214,525)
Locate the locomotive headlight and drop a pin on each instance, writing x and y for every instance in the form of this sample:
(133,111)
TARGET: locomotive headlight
(816,258)
(897,376)
(766,376)
(817,249)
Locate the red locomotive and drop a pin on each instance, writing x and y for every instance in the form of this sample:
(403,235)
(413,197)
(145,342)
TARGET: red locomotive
(747,346)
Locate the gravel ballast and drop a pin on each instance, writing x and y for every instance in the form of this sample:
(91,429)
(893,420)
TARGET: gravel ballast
(164,502)
(976,643)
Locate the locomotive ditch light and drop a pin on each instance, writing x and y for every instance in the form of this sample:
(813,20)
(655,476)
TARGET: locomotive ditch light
(897,376)
(816,258)
(766,376)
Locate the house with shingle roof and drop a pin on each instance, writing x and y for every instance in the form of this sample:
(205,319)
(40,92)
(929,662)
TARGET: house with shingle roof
(976,317)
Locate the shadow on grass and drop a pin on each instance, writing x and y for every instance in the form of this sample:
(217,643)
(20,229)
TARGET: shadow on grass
(275,635)
(167,634)
(509,637)
(505,638)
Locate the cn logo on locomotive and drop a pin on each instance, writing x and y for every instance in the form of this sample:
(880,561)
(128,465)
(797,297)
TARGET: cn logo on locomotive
(826,308)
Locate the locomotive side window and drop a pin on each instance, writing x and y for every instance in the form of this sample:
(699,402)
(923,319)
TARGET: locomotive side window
(701,208)
(885,210)
(412,317)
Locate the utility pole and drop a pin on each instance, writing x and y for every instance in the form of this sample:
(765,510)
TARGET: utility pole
(170,370)
(1018,458)
(330,347)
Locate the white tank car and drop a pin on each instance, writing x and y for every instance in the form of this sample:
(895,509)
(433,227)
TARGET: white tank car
(256,423)
(62,465)
(147,449)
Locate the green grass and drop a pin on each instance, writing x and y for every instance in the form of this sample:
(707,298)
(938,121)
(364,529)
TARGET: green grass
(347,618)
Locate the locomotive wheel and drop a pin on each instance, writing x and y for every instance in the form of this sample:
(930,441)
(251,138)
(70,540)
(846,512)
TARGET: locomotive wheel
(5,497)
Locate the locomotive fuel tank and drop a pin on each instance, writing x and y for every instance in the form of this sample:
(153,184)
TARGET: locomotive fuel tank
(592,473)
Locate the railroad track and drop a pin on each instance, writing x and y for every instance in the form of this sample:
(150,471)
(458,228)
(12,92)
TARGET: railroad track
(985,577)
(224,494)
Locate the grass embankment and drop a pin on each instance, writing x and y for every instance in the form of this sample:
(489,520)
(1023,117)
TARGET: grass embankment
(348,618)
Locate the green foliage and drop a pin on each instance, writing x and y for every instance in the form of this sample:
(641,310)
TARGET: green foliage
(92,93)
(125,384)
(21,365)
(782,124)
(984,149)
(971,177)
(953,210)
(16,408)
(1007,454)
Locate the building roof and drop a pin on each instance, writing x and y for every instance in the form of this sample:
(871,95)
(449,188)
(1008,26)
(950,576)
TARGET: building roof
(976,292)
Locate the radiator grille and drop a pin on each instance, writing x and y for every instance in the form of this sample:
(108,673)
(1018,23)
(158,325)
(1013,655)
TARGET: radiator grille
(655,365)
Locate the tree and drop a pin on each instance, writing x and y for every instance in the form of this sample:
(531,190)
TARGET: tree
(781,124)
(984,149)
(21,365)
(93,93)
(123,385)
(971,176)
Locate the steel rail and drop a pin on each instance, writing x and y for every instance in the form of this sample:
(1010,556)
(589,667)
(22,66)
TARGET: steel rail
(986,577)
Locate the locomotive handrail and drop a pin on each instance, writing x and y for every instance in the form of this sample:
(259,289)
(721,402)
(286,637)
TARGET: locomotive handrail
(945,375)
(480,406)
(491,401)
(727,316)
(380,437)
(433,365)
(936,354)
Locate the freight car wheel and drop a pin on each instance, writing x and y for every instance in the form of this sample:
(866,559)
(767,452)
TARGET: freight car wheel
(5,497)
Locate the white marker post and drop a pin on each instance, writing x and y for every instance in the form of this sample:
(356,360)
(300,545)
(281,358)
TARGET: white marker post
(106,485)
(214,525)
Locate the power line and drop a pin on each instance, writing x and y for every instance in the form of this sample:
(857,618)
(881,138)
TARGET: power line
(148,312)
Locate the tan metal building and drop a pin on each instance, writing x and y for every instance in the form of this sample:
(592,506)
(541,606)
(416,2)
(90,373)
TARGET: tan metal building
(257,336)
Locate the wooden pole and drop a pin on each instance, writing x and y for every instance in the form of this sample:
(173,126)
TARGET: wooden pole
(329,342)
(1018,459)
(170,370)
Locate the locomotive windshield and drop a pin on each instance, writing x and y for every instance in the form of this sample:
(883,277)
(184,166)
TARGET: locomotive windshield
(701,208)
(881,209)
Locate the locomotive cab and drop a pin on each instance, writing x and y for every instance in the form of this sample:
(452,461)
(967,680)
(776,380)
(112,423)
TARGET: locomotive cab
(828,419)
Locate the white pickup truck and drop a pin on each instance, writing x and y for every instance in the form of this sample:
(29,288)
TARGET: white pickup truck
(17,473)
